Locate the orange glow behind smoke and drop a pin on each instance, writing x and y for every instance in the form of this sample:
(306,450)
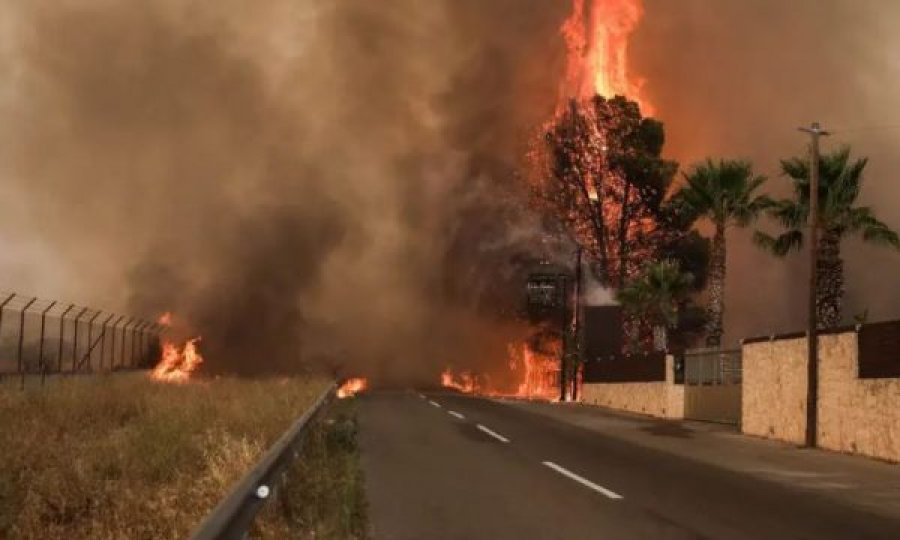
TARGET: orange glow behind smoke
(177,365)
(165,319)
(352,387)
(596,35)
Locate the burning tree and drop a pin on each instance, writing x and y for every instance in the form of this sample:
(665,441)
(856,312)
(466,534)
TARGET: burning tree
(605,181)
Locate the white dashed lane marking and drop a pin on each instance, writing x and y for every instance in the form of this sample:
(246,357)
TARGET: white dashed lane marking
(583,481)
(456,414)
(493,434)
(435,403)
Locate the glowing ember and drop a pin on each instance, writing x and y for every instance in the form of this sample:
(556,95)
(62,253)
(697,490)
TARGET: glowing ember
(596,35)
(177,365)
(352,387)
(165,319)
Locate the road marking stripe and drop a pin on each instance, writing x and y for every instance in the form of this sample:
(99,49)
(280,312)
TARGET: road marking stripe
(422,396)
(583,481)
(435,403)
(456,414)
(493,434)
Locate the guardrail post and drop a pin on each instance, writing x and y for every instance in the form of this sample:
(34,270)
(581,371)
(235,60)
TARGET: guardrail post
(21,340)
(41,363)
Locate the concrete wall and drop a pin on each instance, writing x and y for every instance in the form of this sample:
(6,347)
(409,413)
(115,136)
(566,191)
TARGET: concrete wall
(859,416)
(660,399)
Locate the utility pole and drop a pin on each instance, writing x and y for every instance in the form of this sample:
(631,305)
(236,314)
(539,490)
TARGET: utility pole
(812,365)
(564,330)
(576,324)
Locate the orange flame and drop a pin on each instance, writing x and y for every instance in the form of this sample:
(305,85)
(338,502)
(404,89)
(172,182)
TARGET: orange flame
(177,365)
(536,375)
(352,387)
(596,35)
(165,319)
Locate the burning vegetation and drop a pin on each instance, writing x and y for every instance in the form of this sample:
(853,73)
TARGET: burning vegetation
(534,375)
(598,175)
(352,387)
(178,364)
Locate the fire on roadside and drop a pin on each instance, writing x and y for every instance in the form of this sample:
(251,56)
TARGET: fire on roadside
(534,375)
(352,387)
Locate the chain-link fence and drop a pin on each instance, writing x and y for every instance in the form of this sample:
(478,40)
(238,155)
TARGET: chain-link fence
(41,337)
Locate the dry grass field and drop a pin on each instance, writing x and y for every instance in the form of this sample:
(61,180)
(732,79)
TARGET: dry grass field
(121,456)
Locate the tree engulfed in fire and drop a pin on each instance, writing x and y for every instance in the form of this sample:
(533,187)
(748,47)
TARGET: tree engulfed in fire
(596,145)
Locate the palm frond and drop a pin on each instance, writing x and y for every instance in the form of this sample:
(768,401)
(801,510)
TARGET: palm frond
(779,245)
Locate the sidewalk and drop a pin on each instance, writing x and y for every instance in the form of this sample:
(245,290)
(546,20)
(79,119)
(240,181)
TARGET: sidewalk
(851,480)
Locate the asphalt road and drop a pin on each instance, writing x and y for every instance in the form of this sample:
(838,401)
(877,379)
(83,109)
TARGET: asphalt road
(444,466)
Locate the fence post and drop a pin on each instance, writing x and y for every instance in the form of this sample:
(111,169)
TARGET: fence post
(2,307)
(124,334)
(142,343)
(90,352)
(75,339)
(134,331)
(112,348)
(43,367)
(21,340)
(103,340)
(62,321)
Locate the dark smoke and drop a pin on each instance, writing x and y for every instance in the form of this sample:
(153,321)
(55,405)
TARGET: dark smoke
(302,183)
(322,182)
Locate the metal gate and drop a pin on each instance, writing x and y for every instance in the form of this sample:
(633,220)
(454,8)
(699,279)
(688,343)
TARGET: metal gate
(712,385)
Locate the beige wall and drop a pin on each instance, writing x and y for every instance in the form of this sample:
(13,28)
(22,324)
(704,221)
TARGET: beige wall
(660,399)
(774,388)
(855,415)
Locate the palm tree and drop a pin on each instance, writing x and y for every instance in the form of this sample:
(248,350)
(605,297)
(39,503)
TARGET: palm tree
(840,180)
(655,296)
(725,193)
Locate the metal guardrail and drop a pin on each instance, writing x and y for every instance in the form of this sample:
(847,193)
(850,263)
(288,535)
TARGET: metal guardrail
(233,516)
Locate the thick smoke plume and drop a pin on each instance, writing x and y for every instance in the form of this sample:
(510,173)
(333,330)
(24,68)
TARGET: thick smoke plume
(303,183)
(318,182)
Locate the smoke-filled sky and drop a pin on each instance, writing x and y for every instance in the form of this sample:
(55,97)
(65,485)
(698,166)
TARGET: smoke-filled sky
(307,179)
(736,78)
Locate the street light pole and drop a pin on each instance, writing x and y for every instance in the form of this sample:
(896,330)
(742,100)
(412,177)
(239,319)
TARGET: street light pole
(815,131)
